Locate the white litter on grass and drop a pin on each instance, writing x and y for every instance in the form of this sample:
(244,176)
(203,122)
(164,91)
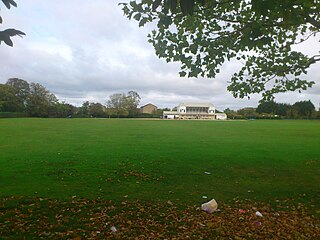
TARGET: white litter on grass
(208,173)
(210,206)
(113,229)
(259,214)
(204,197)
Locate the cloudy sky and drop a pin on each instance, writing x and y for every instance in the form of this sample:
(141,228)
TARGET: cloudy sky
(86,50)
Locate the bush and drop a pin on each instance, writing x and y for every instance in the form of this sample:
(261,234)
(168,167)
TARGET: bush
(12,115)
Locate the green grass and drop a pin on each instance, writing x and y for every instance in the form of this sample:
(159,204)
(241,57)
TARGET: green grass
(159,160)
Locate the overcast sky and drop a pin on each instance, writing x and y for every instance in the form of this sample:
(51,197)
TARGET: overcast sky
(86,50)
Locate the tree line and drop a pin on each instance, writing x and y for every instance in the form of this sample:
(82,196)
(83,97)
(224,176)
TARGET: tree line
(274,110)
(21,98)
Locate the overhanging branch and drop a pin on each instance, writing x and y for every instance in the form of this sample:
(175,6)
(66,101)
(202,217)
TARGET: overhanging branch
(312,21)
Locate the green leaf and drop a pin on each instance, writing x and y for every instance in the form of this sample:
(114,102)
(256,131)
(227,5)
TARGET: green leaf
(143,21)
(137,16)
(173,5)
(187,6)
(8,3)
(156,4)
(7,40)
(182,74)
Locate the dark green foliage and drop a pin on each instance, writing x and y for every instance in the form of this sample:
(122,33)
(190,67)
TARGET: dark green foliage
(61,110)
(282,109)
(97,110)
(8,100)
(274,108)
(22,89)
(12,115)
(267,107)
(304,108)
(248,112)
(40,101)
(18,95)
(84,109)
(34,100)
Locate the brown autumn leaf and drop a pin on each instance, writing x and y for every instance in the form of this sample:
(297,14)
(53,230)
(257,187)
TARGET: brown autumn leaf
(92,219)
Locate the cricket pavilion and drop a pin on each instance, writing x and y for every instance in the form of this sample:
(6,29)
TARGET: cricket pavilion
(195,111)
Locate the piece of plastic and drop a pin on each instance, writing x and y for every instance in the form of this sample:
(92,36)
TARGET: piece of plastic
(242,211)
(210,206)
(257,224)
(259,214)
(113,229)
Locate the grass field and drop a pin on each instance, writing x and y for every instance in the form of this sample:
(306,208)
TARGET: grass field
(159,160)
(75,178)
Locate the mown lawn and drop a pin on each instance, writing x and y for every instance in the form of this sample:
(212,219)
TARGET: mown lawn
(159,160)
(77,178)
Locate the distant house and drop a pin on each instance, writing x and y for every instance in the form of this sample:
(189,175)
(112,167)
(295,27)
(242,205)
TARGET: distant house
(149,108)
(194,111)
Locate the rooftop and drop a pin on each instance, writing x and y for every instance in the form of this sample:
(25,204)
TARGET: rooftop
(189,104)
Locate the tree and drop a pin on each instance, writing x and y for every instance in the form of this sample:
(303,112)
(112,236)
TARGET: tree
(6,35)
(22,88)
(267,107)
(230,113)
(40,100)
(84,109)
(123,104)
(203,34)
(248,112)
(61,110)
(283,109)
(161,110)
(118,103)
(8,99)
(97,110)
(132,102)
(274,108)
(293,113)
(304,108)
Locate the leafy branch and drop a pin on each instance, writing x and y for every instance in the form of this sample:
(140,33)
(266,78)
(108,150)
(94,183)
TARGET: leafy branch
(6,35)
(204,34)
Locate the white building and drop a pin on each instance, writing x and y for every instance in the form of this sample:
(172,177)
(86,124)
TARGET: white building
(221,116)
(170,115)
(194,111)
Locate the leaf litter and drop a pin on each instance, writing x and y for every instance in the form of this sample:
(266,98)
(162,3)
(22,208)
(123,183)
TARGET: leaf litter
(77,218)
